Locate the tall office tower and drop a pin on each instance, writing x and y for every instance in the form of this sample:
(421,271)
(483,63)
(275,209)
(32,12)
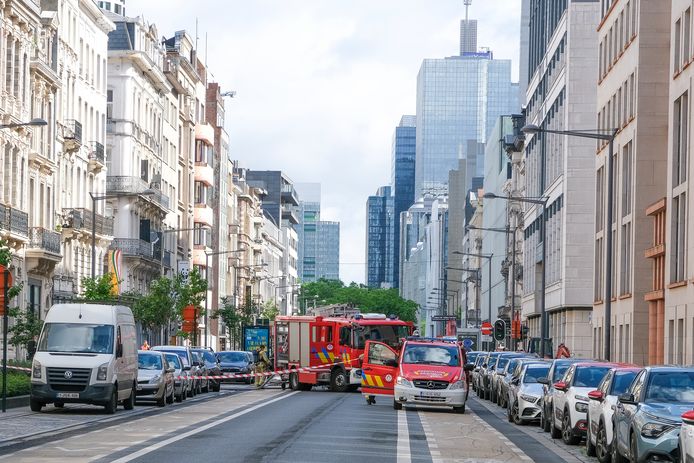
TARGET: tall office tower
(468,36)
(402,180)
(459,99)
(380,243)
(319,241)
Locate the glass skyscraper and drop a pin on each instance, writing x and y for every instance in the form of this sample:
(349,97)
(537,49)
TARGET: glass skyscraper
(458,99)
(380,243)
(402,180)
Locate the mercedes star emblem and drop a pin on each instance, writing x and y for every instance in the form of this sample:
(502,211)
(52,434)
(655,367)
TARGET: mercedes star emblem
(430,385)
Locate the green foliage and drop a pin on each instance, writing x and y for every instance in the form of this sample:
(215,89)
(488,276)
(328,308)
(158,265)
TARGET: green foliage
(99,288)
(5,254)
(188,291)
(156,308)
(26,328)
(234,318)
(17,384)
(374,300)
(269,310)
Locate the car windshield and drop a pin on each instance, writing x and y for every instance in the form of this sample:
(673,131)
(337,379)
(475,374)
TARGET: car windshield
(533,373)
(671,386)
(181,355)
(621,382)
(502,363)
(149,362)
(433,355)
(387,334)
(589,376)
(472,357)
(232,357)
(206,355)
(76,338)
(174,361)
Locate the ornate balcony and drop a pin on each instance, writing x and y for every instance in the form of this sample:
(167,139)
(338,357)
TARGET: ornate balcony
(72,136)
(97,158)
(134,247)
(80,219)
(130,184)
(14,222)
(43,251)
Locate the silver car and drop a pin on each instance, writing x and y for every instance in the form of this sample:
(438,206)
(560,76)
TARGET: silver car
(154,378)
(525,392)
(182,380)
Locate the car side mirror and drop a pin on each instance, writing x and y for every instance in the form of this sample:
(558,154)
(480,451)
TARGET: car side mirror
(560,386)
(596,395)
(543,380)
(688,417)
(186,368)
(197,364)
(391,363)
(627,399)
(170,370)
(469,367)
(515,381)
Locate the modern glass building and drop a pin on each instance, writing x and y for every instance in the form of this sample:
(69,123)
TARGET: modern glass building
(458,99)
(402,180)
(380,242)
(328,256)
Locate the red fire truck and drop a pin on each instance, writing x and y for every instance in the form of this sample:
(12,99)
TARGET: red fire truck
(333,341)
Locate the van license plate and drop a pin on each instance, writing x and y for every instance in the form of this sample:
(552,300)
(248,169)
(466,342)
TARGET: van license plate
(430,394)
(68,395)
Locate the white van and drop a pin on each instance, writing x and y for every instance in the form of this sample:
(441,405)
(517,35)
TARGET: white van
(87,353)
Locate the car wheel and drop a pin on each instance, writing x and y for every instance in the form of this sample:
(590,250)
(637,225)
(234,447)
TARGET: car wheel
(189,392)
(553,430)
(397,405)
(616,456)
(112,404)
(338,380)
(170,397)
(567,433)
(162,400)
(179,397)
(515,413)
(216,387)
(35,405)
(509,413)
(602,448)
(633,449)
(129,403)
(590,447)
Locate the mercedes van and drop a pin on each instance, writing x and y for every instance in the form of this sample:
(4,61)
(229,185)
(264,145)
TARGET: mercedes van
(87,353)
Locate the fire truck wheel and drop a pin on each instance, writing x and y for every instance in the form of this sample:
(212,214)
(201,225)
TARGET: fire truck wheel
(294,381)
(338,380)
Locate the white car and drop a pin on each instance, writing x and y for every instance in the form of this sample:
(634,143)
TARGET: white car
(603,401)
(570,399)
(525,392)
(687,437)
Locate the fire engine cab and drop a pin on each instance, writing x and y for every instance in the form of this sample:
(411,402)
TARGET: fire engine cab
(331,346)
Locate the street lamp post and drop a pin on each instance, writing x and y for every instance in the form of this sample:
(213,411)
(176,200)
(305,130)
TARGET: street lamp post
(544,325)
(36,122)
(95,198)
(607,135)
(508,231)
(475,271)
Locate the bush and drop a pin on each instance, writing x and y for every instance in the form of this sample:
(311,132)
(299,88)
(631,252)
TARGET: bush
(17,384)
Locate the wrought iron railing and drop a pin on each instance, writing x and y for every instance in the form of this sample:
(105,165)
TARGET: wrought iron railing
(74,130)
(97,153)
(133,247)
(129,184)
(47,240)
(14,220)
(81,219)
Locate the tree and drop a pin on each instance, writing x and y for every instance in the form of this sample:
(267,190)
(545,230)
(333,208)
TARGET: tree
(269,310)
(234,318)
(156,308)
(26,328)
(99,288)
(365,299)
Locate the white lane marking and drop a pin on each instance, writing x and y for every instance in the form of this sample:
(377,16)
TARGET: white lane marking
(403,445)
(514,448)
(429,436)
(185,435)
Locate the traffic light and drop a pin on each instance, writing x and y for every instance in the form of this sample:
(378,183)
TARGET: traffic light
(499,330)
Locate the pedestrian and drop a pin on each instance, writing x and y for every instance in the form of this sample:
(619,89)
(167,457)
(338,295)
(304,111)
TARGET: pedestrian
(261,366)
(145,345)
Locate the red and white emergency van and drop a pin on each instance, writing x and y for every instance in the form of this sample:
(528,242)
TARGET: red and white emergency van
(331,346)
(424,371)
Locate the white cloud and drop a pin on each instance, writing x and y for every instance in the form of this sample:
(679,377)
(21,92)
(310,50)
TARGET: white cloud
(321,84)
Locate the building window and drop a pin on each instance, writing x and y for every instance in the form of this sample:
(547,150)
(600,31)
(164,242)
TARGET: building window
(679,241)
(627,179)
(599,252)
(626,259)
(687,33)
(680,149)
(677,46)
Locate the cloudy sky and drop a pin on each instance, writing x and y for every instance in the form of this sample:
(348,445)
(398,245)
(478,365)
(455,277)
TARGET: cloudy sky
(321,84)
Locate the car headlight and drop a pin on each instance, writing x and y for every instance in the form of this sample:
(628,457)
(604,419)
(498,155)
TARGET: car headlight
(654,429)
(403,382)
(36,370)
(102,372)
(155,379)
(581,407)
(457,385)
(529,398)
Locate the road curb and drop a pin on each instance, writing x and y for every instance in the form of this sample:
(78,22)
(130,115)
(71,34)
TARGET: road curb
(18,401)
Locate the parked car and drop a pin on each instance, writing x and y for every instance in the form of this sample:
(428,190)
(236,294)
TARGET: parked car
(648,416)
(514,370)
(210,366)
(189,365)
(556,371)
(154,377)
(87,353)
(235,362)
(601,408)
(182,381)
(570,399)
(499,371)
(525,392)
(200,372)
(506,373)
(476,372)
(486,371)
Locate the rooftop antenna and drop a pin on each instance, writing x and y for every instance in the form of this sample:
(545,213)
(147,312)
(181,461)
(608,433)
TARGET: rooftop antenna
(467,8)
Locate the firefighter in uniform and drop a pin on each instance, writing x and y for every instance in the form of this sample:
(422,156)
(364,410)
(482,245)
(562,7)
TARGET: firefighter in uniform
(261,366)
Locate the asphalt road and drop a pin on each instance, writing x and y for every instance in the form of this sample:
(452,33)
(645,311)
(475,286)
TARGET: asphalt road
(284,426)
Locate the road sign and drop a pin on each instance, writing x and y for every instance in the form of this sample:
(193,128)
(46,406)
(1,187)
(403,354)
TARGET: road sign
(468,343)
(486,329)
(443,318)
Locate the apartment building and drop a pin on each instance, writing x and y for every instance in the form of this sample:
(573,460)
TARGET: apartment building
(632,87)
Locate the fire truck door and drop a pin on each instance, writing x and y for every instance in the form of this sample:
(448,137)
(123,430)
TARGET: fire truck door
(379,369)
